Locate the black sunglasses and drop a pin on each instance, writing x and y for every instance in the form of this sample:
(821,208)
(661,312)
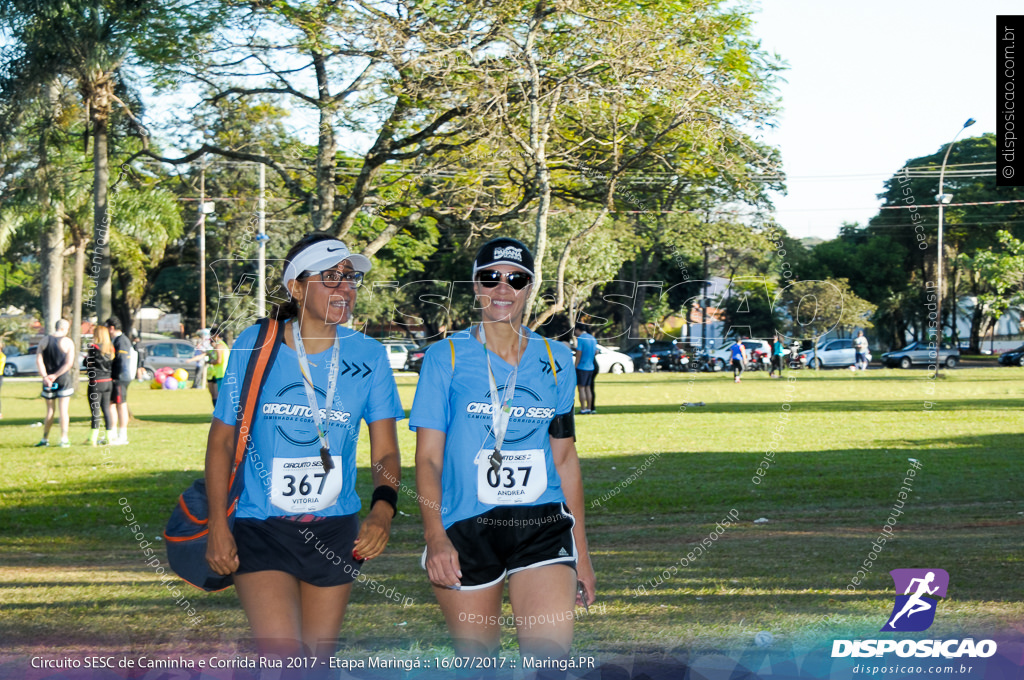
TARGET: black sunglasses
(490,278)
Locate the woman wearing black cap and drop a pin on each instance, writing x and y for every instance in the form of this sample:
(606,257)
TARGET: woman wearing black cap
(497,471)
(297,543)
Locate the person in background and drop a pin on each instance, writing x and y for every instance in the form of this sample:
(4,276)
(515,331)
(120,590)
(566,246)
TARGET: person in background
(739,358)
(778,352)
(217,362)
(860,348)
(121,372)
(202,340)
(55,359)
(586,350)
(98,361)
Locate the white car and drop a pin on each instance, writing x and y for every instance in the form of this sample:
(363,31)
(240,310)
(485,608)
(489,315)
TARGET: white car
(610,361)
(834,353)
(20,364)
(398,353)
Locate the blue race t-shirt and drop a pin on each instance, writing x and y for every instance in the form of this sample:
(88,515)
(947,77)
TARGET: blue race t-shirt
(459,404)
(587,346)
(283,471)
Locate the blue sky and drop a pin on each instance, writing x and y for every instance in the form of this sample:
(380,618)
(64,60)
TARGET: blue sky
(871,85)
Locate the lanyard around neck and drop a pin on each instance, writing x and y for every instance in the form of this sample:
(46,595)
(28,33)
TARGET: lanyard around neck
(322,423)
(501,406)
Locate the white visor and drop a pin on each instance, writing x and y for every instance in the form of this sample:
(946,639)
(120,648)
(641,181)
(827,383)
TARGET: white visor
(321,256)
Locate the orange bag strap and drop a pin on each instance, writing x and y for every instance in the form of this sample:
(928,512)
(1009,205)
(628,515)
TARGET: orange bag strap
(268,341)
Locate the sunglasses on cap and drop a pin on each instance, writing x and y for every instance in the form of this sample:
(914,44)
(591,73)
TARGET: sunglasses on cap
(490,278)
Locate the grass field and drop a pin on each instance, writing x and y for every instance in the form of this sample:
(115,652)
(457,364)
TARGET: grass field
(657,478)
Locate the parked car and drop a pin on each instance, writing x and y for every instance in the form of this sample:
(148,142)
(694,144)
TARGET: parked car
(919,354)
(610,361)
(398,353)
(1015,357)
(156,354)
(830,353)
(414,358)
(18,363)
(669,354)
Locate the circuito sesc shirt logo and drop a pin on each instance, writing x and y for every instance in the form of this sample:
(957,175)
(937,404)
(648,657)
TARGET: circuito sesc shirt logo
(914,610)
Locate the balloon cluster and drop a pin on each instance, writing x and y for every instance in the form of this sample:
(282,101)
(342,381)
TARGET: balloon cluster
(168,378)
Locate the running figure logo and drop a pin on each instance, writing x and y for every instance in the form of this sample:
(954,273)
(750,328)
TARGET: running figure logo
(915,609)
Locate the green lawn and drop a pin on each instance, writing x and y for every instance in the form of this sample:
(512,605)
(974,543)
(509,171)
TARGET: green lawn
(657,478)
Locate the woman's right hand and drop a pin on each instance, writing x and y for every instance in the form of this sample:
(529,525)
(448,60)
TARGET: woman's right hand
(443,563)
(221,551)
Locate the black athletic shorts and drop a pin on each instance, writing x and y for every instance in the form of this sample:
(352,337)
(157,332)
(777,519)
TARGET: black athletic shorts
(505,540)
(584,378)
(319,553)
(120,394)
(63,386)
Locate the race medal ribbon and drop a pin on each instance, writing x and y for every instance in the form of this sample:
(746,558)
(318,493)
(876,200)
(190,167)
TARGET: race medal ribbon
(322,423)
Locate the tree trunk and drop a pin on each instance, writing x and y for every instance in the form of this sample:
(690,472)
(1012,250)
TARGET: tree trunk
(101,221)
(80,244)
(540,125)
(327,148)
(51,258)
(51,246)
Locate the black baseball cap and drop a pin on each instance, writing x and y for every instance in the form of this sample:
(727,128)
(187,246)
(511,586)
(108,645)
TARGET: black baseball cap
(504,251)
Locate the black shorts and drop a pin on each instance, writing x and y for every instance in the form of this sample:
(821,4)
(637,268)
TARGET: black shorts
(120,394)
(318,553)
(584,378)
(215,381)
(505,540)
(63,386)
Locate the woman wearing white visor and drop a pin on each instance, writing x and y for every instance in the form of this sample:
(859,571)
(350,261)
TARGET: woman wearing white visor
(297,543)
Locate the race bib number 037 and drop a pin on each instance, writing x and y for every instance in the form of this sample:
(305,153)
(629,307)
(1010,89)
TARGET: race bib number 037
(302,485)
(522,478)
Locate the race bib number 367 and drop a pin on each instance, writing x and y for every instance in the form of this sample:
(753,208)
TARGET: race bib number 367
(302,485)
(522,478)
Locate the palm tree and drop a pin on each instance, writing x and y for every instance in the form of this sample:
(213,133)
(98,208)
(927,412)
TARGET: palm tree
(92,42)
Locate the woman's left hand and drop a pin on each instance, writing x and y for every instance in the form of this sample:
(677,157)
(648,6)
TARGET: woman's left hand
(585,575)
(374,533)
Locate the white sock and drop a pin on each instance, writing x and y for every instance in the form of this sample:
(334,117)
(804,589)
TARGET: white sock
(123,434)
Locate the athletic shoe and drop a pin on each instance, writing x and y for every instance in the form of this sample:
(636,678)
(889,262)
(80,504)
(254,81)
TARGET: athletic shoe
(64,444)
(119,442)
(584,411)
(43,442)
(592,411)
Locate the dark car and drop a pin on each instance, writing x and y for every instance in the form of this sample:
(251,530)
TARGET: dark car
(414,358)
(921,354)
(670,354)
(1015,357)
(155,354)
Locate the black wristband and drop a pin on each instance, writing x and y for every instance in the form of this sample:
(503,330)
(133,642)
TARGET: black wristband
(386,494)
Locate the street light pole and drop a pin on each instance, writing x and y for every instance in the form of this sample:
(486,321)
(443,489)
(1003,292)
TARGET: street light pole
(942,199)
(261,241)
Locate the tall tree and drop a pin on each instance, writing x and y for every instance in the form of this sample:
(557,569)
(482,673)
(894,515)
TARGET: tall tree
(909,219)
(94,42)
(814,308)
